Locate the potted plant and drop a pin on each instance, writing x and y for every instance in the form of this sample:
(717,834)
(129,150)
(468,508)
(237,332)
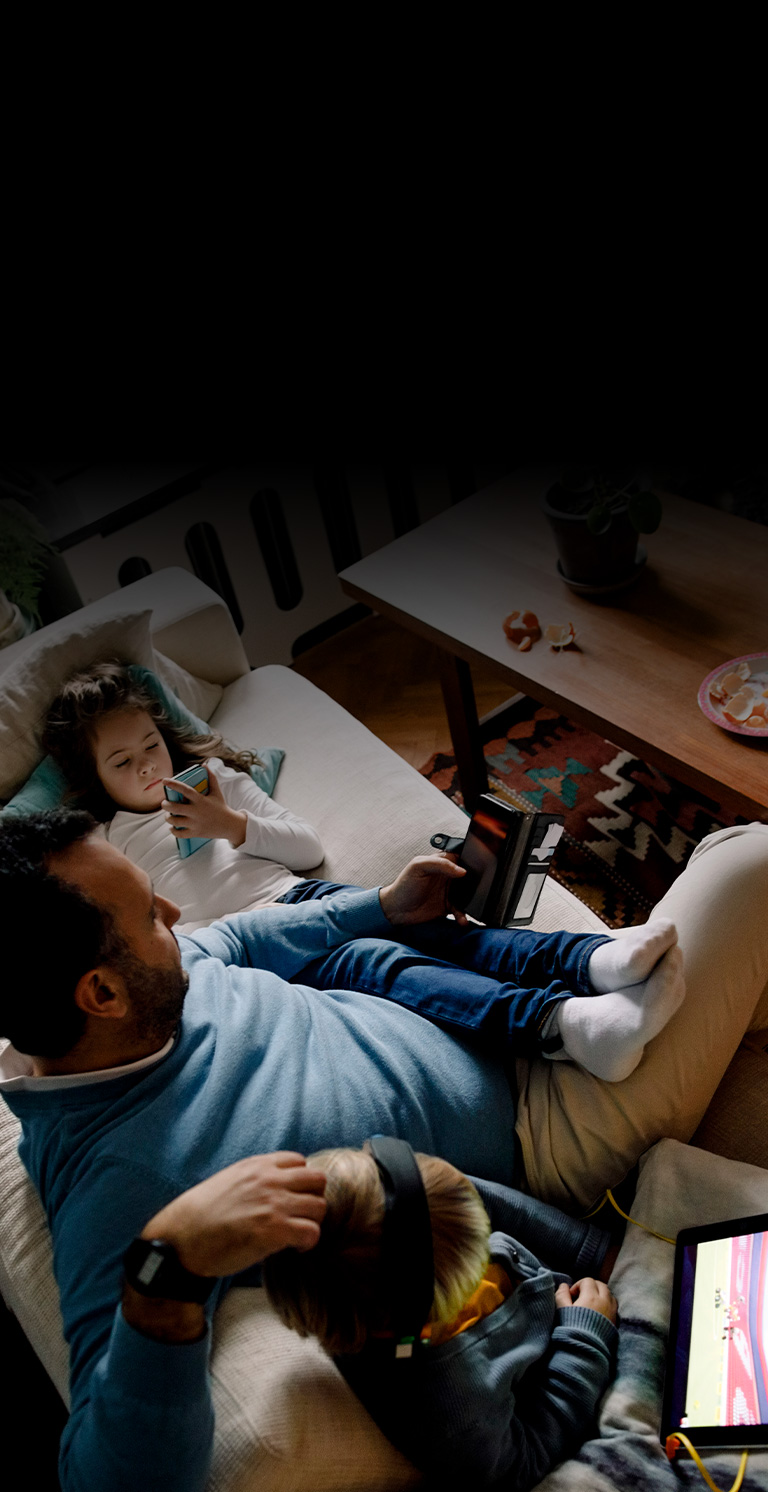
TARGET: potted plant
(596,516)
(36,586)
(24,554)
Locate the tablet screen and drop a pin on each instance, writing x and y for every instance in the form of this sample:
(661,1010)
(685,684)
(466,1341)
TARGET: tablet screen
(718,1362)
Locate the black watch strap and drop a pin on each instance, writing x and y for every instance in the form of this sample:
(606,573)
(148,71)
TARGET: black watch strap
(153,1267)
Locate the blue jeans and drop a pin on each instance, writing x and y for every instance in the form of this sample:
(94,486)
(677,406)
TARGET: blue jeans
(496,983)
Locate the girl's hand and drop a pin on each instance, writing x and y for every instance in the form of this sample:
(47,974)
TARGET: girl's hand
(203,816)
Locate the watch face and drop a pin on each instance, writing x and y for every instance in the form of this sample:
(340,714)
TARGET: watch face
(153,1268)
(146,1273)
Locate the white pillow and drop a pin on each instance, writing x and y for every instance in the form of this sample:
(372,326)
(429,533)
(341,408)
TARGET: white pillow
(31,681)
(199,696)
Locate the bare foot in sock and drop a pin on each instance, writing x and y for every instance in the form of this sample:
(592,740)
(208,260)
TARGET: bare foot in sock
(607,1033)
(629,959)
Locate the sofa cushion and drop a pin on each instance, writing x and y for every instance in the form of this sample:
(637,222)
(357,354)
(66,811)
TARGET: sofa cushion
(198,696)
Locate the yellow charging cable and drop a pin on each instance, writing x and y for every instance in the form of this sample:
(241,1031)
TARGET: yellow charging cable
(671,1447)
(609,1194)
(614,1203)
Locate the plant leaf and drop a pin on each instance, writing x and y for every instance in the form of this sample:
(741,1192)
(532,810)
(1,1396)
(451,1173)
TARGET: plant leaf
(599,519)
(644,511)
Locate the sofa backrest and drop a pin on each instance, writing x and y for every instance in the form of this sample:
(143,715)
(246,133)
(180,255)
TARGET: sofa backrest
(190,623)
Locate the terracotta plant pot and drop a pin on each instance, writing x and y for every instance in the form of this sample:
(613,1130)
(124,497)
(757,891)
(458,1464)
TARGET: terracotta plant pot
(587,558)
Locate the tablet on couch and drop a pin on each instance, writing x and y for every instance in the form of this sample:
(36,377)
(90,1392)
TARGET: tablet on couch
(716,1385)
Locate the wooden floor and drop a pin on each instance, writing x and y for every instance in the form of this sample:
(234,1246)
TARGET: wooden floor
(389,679)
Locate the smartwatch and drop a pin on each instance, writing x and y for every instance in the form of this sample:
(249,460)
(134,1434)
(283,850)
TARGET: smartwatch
(153,1267)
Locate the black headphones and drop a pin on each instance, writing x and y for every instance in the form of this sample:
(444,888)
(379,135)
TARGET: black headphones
(407,1261)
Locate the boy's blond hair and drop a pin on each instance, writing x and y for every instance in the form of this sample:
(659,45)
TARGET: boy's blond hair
(333,1291)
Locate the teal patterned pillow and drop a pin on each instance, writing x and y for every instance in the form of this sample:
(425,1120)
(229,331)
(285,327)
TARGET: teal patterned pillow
(44,789)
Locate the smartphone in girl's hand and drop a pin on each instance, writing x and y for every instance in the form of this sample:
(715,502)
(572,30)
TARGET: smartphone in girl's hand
(196,777)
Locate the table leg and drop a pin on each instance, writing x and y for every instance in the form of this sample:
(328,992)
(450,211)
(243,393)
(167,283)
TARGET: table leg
(461,709)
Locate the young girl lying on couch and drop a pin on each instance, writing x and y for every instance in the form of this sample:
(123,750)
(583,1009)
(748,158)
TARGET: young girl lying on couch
(583,997)
(117,746)
(472,1350)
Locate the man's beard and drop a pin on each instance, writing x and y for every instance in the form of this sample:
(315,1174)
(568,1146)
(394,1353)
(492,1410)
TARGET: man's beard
(157,996)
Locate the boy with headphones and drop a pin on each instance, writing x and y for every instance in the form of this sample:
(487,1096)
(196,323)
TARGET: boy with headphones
(476,1356)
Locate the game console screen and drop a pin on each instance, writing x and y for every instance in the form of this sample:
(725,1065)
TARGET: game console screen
(721,1356)
(480,857)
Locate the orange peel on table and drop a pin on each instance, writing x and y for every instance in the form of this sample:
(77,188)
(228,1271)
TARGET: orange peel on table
(522,628)
(559,634)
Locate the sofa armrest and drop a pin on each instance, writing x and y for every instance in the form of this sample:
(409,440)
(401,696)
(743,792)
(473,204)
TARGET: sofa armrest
(190,624)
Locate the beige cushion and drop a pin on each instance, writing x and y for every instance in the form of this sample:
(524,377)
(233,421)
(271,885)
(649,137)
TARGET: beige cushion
(198,696)
(34,676)
(680,1186)
(285,1419)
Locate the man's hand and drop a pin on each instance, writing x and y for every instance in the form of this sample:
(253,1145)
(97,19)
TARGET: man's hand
(241,1214)
(234,1219)
(590,1293)
(421,891)
(204,815)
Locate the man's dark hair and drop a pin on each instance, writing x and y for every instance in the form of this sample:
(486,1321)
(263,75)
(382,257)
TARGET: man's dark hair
(53,934)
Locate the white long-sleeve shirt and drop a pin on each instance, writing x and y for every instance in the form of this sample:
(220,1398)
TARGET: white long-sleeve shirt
(217,880)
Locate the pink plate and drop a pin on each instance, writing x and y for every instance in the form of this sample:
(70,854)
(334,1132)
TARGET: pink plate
(714,711)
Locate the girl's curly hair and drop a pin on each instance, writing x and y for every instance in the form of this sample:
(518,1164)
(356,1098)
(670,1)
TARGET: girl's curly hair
(91,694)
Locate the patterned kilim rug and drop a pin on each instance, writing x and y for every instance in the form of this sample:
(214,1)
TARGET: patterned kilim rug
(629,831)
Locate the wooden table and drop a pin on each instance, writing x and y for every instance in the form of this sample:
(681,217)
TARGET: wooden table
(700,600)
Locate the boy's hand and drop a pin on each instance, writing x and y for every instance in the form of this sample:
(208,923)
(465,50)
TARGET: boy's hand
(590,1293)
(203,816)
(421,891)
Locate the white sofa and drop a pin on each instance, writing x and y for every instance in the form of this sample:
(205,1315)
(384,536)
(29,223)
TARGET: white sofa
(285,1418)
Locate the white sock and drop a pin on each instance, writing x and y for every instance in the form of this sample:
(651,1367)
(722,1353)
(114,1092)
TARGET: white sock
(607,1033)
(629,958)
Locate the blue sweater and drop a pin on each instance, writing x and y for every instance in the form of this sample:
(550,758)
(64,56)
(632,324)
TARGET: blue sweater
(258,1065)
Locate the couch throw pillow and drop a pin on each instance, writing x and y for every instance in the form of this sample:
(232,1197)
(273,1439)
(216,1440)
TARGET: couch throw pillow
(30,682)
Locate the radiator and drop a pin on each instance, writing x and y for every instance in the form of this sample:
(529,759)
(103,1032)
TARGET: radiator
(269,539)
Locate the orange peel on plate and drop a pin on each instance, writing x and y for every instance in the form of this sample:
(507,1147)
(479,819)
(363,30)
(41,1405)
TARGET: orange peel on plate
(736,695)
(730,683)
(739,706)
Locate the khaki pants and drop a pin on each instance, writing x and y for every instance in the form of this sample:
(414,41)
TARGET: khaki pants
(580,1135)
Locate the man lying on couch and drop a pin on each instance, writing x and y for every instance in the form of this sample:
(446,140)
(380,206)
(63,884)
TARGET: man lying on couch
(152,1125)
